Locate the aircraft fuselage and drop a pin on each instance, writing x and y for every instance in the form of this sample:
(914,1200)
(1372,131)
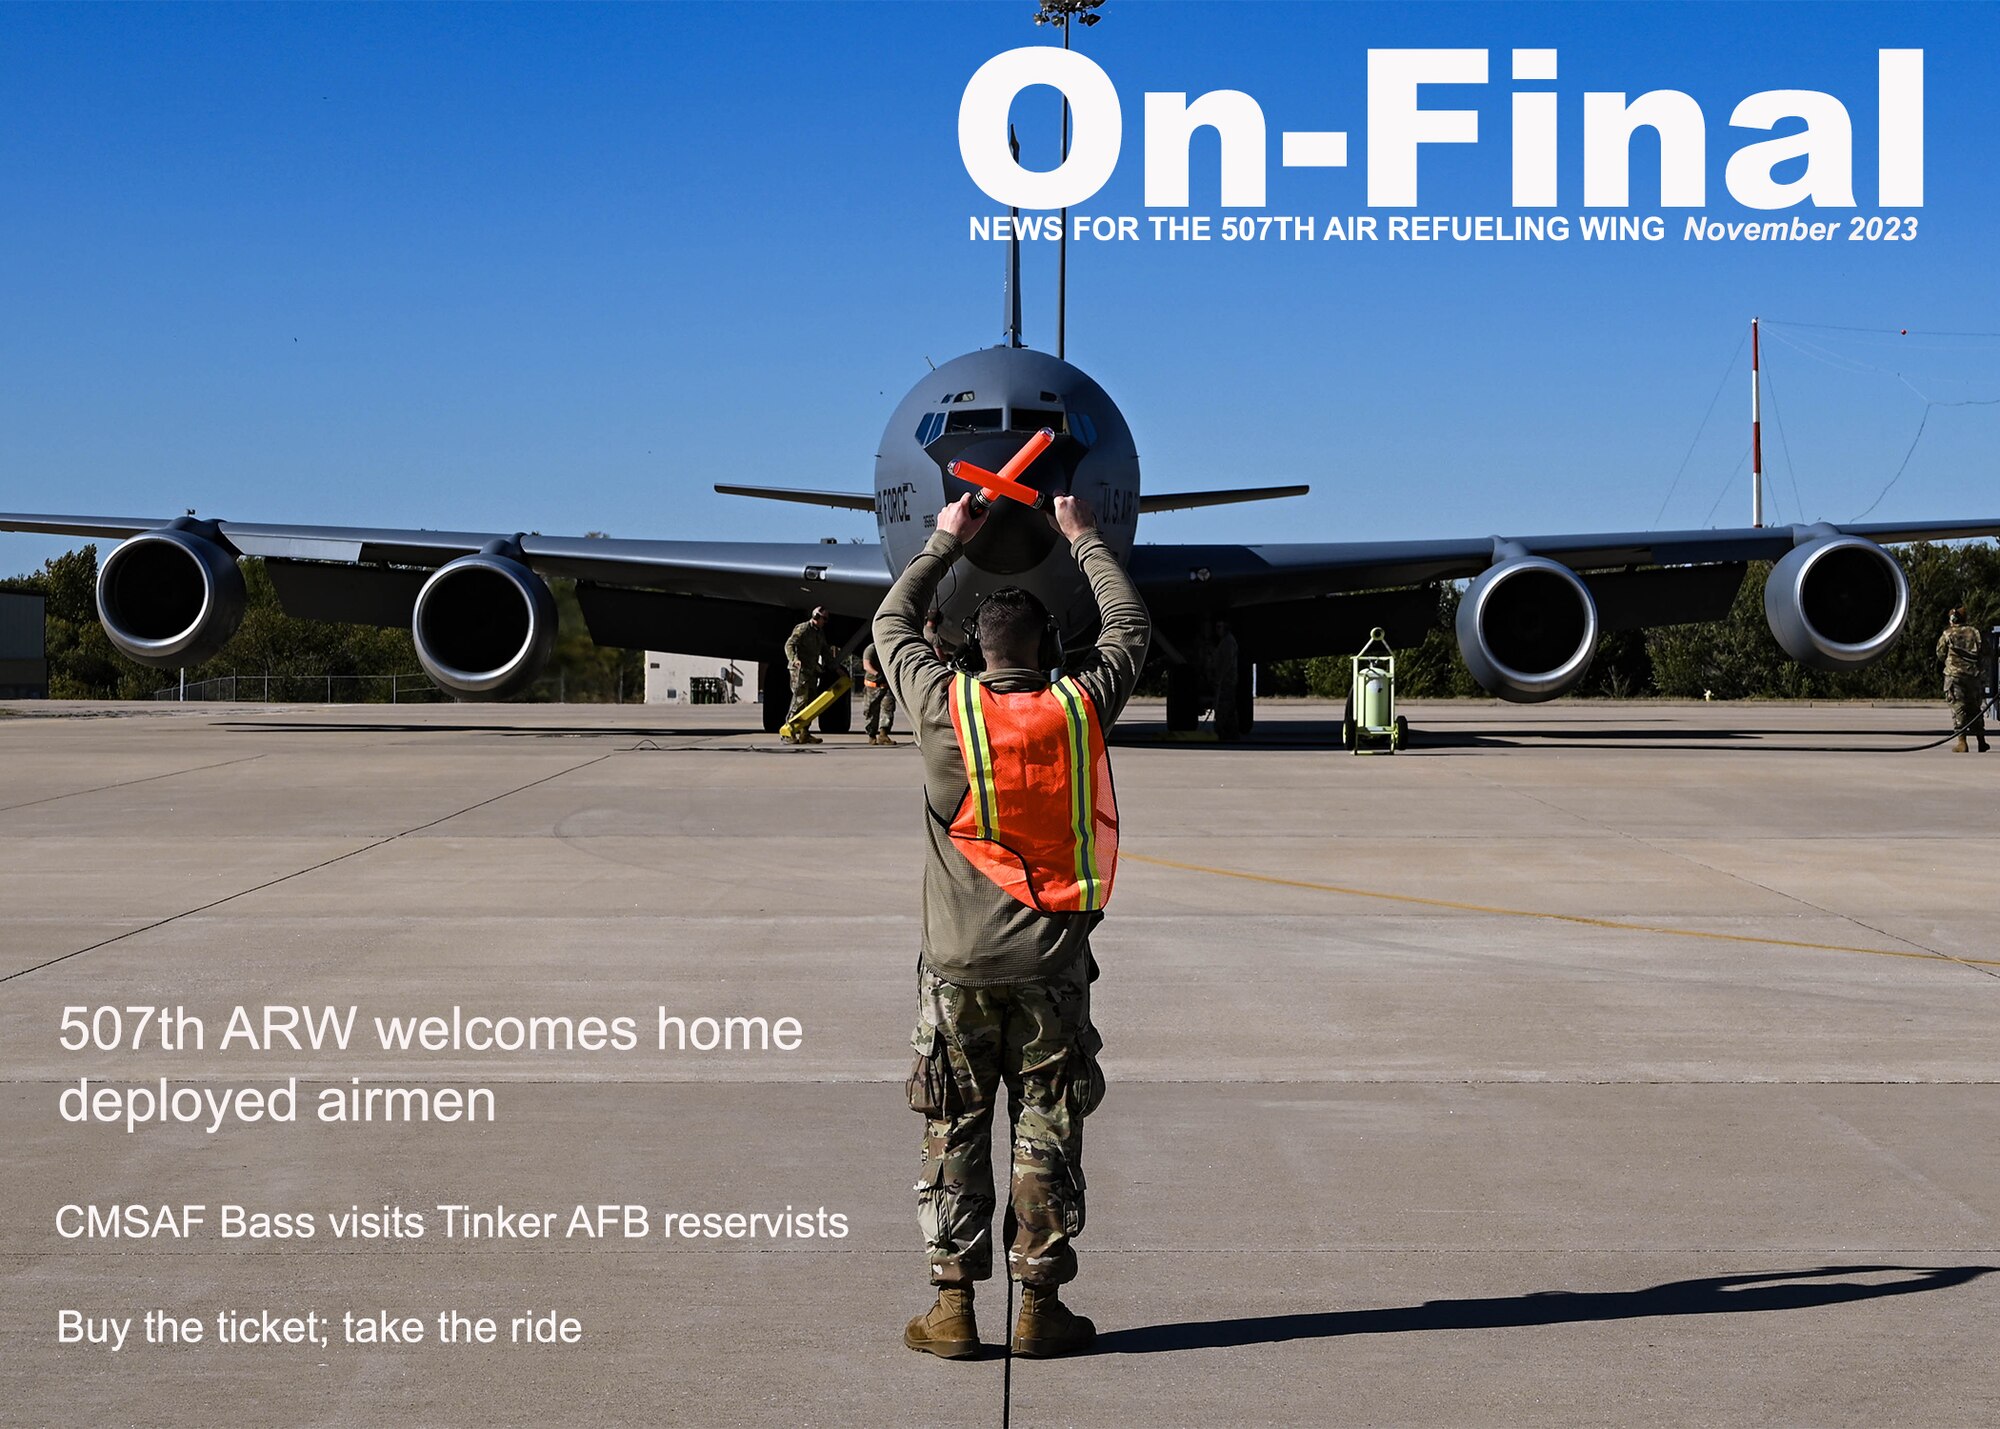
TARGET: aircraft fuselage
(982,408)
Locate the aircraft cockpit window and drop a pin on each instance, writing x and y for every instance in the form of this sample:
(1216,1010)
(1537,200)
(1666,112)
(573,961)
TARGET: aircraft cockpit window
(1085,429)
(930,428)
(974,419)
(1033,419)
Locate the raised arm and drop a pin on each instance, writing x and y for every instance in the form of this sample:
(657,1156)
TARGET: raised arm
(1111,671)
(915,673)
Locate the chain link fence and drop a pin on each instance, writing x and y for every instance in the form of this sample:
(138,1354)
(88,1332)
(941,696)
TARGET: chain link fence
(414,688)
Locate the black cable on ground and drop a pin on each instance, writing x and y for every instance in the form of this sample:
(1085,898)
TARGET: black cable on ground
(1007,1328)
(1919,749)
(1008,1225)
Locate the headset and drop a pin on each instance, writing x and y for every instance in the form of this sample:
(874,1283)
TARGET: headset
(971,659)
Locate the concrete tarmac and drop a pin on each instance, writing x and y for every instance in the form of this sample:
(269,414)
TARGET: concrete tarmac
(1586,1064)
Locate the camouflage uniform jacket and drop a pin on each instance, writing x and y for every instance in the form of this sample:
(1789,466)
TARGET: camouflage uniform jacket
(1958,647)
(807,648)
(975,933)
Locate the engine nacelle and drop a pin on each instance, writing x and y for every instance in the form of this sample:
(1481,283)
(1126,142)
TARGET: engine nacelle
(1527,629)
(1837,603)
(170,597)
(484,627)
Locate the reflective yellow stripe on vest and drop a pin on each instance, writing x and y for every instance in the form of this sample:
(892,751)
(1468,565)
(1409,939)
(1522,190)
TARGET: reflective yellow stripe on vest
(979,770)
(1083,811)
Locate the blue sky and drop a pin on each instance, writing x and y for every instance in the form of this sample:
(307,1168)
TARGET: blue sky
(514,267)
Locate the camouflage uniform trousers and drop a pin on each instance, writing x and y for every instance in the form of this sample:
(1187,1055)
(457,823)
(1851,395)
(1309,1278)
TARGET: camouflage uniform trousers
(881,709)
(1966,694)
(1037,1038)
(805,689)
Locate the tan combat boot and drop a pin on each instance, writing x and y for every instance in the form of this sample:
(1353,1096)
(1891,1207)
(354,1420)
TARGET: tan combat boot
(1048,1327)
(946,1329)
(1959,748)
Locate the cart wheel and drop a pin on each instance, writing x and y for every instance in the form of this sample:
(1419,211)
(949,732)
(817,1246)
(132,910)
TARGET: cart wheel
(1347,722)
(1402,736)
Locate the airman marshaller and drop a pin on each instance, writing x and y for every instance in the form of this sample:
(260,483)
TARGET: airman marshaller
(1023,832)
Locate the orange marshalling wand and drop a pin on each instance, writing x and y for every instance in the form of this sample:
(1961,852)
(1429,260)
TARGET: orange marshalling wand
(1007,481)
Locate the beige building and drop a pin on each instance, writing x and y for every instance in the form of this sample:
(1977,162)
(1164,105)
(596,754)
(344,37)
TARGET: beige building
(671,679)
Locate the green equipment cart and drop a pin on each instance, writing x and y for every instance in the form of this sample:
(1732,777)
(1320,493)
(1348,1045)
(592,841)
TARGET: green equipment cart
(1370,724)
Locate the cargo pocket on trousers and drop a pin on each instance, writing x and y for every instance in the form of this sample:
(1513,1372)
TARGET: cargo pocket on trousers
(1072,1206)
(929,1084)
(1086,1079)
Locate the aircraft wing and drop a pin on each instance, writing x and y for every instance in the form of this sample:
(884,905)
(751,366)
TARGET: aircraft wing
(1288,599)
(1290,570)
(851,577)
(728,598)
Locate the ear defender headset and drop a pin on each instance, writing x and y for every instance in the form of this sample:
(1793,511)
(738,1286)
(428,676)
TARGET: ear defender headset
(1049,656)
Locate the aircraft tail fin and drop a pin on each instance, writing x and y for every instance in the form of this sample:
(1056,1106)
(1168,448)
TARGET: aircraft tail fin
(1185,500)
(844,500)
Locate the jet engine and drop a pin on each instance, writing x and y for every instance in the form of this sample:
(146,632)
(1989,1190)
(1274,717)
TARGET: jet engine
(1837,603)
(1527,629)
(170,597)
(484,626)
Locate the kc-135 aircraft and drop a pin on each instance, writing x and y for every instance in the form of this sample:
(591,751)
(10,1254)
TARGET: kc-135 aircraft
(484,623)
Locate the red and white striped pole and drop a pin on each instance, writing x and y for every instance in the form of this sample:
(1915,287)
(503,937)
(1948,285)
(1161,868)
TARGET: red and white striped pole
(1756,436)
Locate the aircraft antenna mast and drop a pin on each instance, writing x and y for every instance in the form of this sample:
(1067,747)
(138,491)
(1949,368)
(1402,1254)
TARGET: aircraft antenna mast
(1012,315)
(1756,436)
(1061,12)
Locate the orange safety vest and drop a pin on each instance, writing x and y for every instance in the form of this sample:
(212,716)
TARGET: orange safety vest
(1039,817)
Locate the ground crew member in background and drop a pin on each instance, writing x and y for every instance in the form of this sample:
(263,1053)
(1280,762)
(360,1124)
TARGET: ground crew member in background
(941,645)
(1959,648)
(1222,671)
(1022,829)
(814,665)
(881,700)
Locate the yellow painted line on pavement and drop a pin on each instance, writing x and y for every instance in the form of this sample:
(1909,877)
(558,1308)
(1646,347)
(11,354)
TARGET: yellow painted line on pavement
(1577,918)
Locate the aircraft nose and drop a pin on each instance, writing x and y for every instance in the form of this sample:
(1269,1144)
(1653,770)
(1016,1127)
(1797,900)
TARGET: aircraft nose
(1014,538)
(1053,471)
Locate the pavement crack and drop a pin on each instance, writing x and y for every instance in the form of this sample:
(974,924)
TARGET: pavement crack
(127,783)
(299,872)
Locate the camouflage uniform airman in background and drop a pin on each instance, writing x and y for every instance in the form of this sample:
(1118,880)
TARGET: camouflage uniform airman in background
(813,662)
(1223,668)
(937,637)
(1959,648)
(881,708)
